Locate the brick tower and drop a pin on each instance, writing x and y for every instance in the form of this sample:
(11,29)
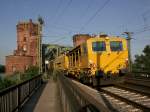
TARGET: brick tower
(26,53)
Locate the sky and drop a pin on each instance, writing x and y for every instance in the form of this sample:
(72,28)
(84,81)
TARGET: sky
(64,18)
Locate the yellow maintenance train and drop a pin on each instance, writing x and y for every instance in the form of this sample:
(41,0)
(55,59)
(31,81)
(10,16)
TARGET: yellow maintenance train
(106,54)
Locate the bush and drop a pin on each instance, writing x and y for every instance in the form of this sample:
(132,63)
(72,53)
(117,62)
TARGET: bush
(2,68)
(18,77)
(31,72)
(6,82)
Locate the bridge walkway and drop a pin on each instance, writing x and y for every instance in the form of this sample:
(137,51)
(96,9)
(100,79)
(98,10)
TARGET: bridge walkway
(46,99)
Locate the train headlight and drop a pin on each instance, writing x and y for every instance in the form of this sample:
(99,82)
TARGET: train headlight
(107,38)
(127,61)
(90,62)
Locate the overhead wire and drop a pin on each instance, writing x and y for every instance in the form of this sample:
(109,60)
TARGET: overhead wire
(63,11)
(59,39)
(86,9)
(145,39)
(58,7)
(141,30)
(94,15)
(68,4)
(60,16)
(89,20)
(146,12)
(71,27)
(64,28)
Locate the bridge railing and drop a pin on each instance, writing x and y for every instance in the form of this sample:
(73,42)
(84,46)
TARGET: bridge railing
(74,99)
(13,98)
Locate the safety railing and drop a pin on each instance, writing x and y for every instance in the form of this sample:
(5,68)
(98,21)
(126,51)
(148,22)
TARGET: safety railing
(75,99)
(13,98)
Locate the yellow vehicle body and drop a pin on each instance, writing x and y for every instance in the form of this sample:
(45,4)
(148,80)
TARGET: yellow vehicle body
(84,58)
(84,62)
(108,60)
(109,54)
(61,62)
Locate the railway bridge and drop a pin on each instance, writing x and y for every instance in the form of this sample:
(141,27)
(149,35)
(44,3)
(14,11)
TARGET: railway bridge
(61,94)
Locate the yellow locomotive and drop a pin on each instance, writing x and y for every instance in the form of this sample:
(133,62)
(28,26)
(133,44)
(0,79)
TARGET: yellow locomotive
(108,54)
(61,62)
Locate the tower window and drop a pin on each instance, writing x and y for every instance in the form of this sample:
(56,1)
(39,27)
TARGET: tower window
(13,68)
(24,48)
(25,39)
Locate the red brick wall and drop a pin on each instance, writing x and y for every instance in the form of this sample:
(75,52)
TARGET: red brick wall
(80,38)
(26,53)
(17,63)
(27,34)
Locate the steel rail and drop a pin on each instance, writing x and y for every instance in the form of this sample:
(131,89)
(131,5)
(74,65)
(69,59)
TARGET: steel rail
(130,102)
(132,89)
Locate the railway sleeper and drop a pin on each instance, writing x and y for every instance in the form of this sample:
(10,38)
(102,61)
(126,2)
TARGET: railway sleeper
(135,104)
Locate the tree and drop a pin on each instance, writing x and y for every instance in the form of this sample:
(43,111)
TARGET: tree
(18,77)
(31,72)
(142,62)
(2,68)
(6,82)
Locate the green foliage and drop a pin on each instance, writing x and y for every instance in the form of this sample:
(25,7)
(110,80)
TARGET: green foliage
(18,77)
(2,68)
(142,62)
(31,72)
(6,82)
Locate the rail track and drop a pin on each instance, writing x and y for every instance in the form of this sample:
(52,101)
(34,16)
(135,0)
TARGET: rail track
(142,82)
(126,100)
(131,96)
(145,90)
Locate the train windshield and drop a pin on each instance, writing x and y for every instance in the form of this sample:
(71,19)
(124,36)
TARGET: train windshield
(116,46)
(99,46)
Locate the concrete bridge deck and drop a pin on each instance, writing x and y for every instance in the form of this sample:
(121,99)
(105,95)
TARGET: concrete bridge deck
(46,99)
